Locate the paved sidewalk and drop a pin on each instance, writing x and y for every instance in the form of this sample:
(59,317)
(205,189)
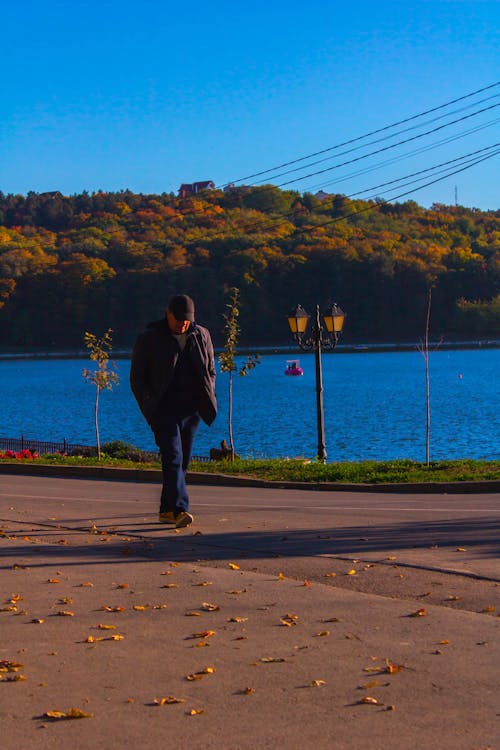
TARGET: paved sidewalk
(261,591)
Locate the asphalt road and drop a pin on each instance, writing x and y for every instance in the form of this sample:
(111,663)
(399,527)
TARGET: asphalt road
(354,568)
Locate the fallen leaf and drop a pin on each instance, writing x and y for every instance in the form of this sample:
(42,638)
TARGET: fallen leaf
(237,619)
(9,608)
(488,609)
(199,675)
(140,607)
(271,659)
(122,585)
(323,633)
(10,666)
(317,683)
(369,685)
(170,586)
(352,572)
(419,613)
(106,608)
(461,549)
(248,691)
(101,626)
(168,701)
(369,700)
(37,621)
(210,607)
(444,643)
(203,634)
(236,591)
(166,573)
(233,566)
(391,557)
(65,613)
(65,600)
(330,575)
(195,711)
(53,580)
(115,638)
(393,668)
(281,577)
(193,614)
(203,583)
(73,713)
(93,639)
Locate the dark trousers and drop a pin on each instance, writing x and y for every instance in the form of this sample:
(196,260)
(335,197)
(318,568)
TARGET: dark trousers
(174,437)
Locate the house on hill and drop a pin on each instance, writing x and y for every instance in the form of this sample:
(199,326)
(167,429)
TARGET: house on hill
(191,188)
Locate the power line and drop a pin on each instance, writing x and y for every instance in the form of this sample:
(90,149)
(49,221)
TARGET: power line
(387,148)
(366,135)
(385,138)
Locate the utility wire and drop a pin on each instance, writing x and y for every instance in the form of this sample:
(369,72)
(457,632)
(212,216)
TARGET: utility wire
(380,140)
(366,135)
(387,148)
(462,158)
(395,159)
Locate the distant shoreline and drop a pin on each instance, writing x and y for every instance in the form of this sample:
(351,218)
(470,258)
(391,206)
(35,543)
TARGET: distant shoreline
(125,353)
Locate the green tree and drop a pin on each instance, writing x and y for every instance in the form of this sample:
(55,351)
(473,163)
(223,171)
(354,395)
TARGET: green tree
(227,358)
(105,377)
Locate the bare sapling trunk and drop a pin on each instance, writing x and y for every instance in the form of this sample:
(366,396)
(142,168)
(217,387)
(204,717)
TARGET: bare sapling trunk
(96,422)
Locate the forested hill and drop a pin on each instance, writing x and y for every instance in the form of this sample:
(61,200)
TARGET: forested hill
(90,262)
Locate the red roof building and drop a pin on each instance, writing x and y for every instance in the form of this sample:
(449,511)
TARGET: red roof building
(191,188)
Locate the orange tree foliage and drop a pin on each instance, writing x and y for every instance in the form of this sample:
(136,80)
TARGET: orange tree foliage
(69,264)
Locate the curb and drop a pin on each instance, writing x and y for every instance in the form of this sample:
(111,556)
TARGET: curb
(155,475)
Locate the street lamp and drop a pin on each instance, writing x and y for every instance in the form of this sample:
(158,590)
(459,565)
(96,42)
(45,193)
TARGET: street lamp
(334,321)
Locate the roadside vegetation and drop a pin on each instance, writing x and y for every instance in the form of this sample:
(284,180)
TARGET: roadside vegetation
(281,470)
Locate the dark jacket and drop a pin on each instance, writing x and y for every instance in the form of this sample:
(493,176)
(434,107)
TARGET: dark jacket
(154,359)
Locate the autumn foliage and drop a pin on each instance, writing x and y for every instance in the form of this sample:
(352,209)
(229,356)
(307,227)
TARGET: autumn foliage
(111,260)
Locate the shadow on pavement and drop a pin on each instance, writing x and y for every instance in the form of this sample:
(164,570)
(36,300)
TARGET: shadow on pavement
(151,541)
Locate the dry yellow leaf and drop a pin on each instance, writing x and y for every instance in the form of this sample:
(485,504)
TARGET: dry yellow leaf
(204,634)
(195,711)
(236,591)
(237,619)
(93,639)
(393,668)
(248,691)
(170,586)
(488,609)
(65,600)
(122,585)
(116,637)
(15,598)
(323,633)
(102,626)
(193,614)
(330,575)
(317,683)
(10,666)
(444,642)
(271,659)
(201,644)
(369,700)
(233,566)
(86,584)
(351,572)
(140,607)
(53,580)
(307,583)
(166,573)
(391,557)
(106,608)
(288,623)
(73,713)
(199,675)
(10,608)
(369,685)
(281,576)
(37,621)
(210,607)
(419,613)
(168,701)
(65,613)
(203,583)
(461,549)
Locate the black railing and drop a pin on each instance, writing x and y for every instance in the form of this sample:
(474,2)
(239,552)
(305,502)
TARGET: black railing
(16,445)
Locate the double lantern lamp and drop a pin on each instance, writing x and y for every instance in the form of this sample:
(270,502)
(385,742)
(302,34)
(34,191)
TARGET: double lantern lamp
(334,318)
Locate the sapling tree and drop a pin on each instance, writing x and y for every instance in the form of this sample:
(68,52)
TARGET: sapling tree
(105,377)
(227,358)
(423,348)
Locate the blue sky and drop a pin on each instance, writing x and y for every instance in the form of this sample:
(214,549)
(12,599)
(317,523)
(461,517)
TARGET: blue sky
(114,95)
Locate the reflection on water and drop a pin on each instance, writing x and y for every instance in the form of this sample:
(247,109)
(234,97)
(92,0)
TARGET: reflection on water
(374,406)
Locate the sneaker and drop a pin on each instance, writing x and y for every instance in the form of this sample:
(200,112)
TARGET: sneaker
(183,519)
(166,517)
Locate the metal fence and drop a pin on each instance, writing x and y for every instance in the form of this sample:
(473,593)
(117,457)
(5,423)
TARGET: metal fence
(41,446)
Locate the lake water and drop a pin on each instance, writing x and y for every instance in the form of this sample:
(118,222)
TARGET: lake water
(374,406)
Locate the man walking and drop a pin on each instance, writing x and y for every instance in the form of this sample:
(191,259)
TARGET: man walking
(172,376)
